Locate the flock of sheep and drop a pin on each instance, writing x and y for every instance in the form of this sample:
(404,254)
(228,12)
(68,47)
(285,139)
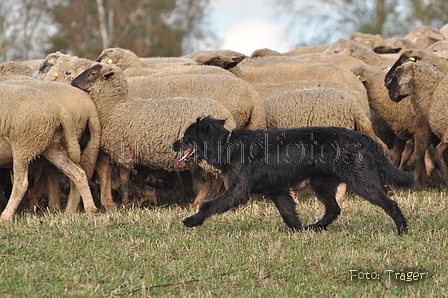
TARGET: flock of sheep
(122,121)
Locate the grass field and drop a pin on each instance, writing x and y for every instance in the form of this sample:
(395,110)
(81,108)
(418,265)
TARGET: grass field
(249,252)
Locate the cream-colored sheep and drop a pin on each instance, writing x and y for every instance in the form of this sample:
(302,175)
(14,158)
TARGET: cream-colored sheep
(427,88)
(370,41)
(439,48)
(82,111)
(406,121)
(238,96)
(33,123)
(14,68)
(139,131)
(306,50)
(354,49)
(424,36)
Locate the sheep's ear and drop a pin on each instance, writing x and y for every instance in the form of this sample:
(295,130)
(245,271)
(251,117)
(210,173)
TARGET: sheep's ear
(108,74)
(406,75)
(124,66)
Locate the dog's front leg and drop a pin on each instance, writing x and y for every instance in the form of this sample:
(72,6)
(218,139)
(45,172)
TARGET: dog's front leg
(232,197)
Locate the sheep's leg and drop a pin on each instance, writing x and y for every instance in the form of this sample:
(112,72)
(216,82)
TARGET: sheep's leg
(104,170)
(57,155)
(406,155)
(54,192)
(124,178)
(421,176)
(201,186)
(397,151)
(438,156)
(37,193)
(20,185)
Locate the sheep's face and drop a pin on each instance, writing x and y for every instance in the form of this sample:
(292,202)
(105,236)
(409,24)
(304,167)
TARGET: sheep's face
(88,78)
(400,86)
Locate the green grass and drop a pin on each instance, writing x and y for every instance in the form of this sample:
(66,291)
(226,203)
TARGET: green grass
(248,252)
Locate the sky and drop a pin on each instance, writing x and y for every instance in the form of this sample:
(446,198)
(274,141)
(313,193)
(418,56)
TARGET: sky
(247,25)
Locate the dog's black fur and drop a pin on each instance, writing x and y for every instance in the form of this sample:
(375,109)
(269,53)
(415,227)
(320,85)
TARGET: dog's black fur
(271,161)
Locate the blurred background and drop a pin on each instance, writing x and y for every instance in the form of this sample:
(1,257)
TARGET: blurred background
(31,29)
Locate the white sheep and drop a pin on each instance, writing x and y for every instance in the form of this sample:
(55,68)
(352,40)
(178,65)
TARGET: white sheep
(354,49)
(139,131)
(14,68)
(238,96)
(33,123)
(85,118)
(426,87)
(406,121)
(424,36)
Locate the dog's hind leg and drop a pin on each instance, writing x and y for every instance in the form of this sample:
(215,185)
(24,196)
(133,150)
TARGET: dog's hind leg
(374,193)
(287,208)
(325,187)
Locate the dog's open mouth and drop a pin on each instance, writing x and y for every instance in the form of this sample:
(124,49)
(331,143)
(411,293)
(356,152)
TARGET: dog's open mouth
(185,158)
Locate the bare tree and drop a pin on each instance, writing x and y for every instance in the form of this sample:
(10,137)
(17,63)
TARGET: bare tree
(385,17)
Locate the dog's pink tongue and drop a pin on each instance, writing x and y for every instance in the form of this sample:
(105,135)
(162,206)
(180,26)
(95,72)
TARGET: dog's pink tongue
(181,161)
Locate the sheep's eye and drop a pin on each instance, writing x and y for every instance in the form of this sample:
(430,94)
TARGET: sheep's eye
(68,72)
(336,51)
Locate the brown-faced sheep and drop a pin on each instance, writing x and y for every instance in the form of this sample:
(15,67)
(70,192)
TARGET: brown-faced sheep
(33,123)
(426,87)
(424,36)
(139,131)
(354,49)
(238,96)
(85,118)
(406,121)
(14,68)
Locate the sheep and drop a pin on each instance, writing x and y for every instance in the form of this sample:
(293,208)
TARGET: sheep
(426,87)
(340,60)
(370,41)
(238,96)
(418,55)
(14,68)
(424,36)
(406,121)
(84,114)
(274,75)
(306,50)
(354,49)
(139,131)
(33,123)
(264,52)
(440,48)
(444,31)
(59,67)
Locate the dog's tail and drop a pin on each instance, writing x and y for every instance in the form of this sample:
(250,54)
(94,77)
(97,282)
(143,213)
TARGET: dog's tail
(390,174)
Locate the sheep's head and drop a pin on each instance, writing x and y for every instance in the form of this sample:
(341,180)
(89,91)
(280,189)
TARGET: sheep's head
(439,48)
(117,56)
(424,36)
(399,86)
(341,47)
(406,56)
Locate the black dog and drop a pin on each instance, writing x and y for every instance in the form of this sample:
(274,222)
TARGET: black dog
(271,161)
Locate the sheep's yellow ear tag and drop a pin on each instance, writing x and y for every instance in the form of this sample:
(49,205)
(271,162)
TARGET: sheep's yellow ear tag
(109,61)
(412,59)
(439,56)
(367,41)
(55,74)
(358,76)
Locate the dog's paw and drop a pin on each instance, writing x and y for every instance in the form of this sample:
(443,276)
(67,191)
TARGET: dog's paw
(193,221)
(316,228)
